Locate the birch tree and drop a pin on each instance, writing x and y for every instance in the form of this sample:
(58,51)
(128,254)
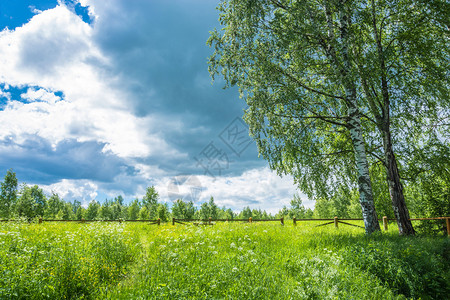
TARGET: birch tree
(402,59)
(292,61)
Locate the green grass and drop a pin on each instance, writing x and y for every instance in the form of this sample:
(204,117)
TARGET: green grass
(224,261)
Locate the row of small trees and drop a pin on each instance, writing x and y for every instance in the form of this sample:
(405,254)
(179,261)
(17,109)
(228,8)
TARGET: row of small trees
(31,202)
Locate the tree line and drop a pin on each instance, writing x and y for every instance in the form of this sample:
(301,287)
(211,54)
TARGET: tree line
(30,202)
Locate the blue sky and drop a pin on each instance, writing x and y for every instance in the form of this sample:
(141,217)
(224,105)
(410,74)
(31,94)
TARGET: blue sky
(101,98)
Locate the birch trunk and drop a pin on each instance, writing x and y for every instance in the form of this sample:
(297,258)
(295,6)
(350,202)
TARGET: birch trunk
(364,183)
(396,188)
(392,175)
(354,124)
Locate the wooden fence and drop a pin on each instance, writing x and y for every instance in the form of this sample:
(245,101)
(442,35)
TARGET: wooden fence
(211,221)
(334,221)
(385,220)
(40,220)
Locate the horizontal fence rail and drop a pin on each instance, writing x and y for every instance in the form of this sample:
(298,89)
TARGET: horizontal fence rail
(150,222)
(211,221)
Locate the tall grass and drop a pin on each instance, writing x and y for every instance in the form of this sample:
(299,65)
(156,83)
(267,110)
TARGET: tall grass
(224,261)
(64,260)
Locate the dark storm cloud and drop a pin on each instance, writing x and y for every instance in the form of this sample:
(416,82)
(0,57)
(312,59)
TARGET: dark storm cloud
(159,49)
(36,161)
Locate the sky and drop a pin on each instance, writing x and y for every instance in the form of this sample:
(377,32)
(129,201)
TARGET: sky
(106,98)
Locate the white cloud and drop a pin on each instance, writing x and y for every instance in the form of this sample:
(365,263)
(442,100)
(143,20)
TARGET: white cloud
(33,94)
(257,188)
(5,94)
(55,51)
(81,190)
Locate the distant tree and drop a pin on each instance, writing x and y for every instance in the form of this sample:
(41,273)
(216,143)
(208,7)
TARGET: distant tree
(323,208)
(179,209)
(144,214)
(246,213)
(190,210)
(31,203)
(309,214)
(257,214)
(117,208)
(40,200)
(341,202)
(213,209)
(54,205)
(266,216)
(429,184)
(183,210)
(119,200)
(8,195)
(81,213)
(24,206)
(283,213)
(105,212)
(229,214)
(163,212)
(66,213)
(204,211)
(150,200)
(75,205)
(224,213)
(92,210)
(133,209)
(297,209)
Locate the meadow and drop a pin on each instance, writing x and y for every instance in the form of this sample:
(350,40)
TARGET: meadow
(225,261)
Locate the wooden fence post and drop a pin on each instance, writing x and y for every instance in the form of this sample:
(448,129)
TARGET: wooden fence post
(173,221)
(40,220)
(250,219)
(209,221)
(385,223)
(448,226)
(159,221)
(83,220)
(336,222)
(282,221)
(295,221)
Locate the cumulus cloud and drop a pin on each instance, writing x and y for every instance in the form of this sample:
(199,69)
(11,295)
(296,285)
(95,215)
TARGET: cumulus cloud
(81,190)
(55,52)
(257,188)
(40,94)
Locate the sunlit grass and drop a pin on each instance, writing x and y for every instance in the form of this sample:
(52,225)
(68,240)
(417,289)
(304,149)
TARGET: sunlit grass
(224,261)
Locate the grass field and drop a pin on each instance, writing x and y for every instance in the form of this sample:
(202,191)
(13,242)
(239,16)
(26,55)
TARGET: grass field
(224,261)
